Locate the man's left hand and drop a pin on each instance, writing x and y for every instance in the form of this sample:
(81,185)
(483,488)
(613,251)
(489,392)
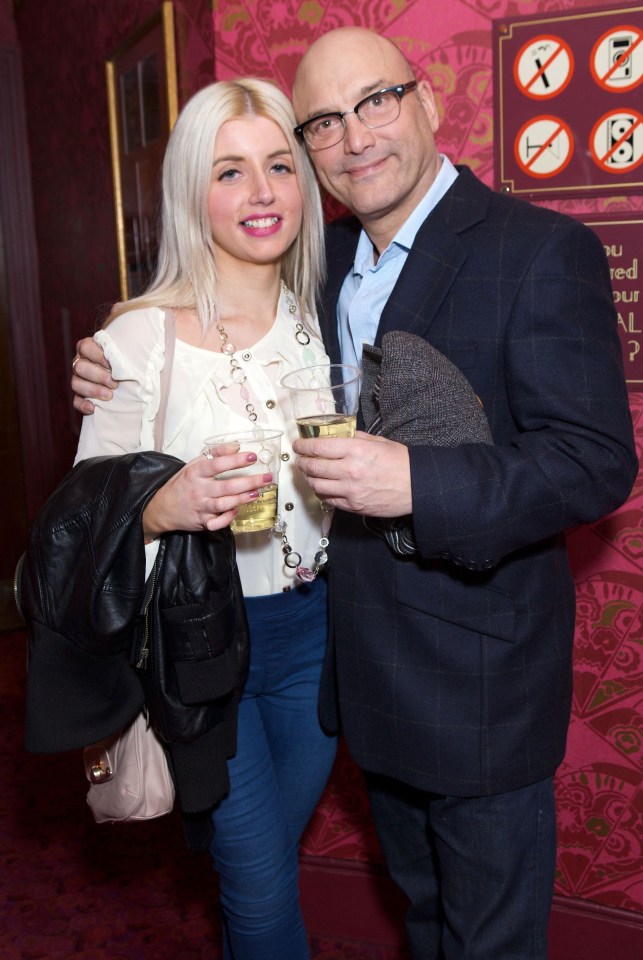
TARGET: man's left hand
(364,474)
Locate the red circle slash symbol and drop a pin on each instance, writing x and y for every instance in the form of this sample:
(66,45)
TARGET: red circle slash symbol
(544,146)
(543,67)
(616,141)
(616,61)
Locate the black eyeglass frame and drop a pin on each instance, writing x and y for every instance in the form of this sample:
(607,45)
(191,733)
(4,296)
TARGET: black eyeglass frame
(399,89)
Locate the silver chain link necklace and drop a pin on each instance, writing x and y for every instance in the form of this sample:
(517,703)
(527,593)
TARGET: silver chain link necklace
(292,559)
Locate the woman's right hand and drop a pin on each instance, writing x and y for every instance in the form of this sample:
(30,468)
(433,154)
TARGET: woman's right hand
(196,498)
(91,375)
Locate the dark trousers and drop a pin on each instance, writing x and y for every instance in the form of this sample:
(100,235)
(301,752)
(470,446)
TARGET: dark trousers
(479,872)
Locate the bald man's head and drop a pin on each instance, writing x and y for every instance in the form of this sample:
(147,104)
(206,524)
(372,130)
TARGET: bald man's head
(378,172)
(341,44)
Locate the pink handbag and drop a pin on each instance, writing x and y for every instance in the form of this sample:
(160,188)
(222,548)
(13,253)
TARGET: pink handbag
(129,775)
(128,772)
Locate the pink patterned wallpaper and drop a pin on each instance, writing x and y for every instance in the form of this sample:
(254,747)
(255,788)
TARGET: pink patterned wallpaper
(599,785)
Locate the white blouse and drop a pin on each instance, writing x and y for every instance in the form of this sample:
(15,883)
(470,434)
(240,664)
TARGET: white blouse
(203,400)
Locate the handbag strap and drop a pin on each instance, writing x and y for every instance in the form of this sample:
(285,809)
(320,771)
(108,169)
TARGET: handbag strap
(166,373)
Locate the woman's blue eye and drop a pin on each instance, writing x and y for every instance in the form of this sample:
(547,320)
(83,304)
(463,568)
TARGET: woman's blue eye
(232,173)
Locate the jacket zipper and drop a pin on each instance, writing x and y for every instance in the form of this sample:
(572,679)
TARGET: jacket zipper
(145,649)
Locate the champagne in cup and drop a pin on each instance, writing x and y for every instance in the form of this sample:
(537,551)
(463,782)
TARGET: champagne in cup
(259,514)
(325,399)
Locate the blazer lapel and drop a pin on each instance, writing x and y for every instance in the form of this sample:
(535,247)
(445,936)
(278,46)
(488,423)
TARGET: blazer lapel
(438,254)
(435,259)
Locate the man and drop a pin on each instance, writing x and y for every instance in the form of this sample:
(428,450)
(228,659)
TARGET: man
(453,664)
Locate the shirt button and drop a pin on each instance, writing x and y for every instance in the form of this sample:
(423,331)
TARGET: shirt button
(290,506)
(246,356)
(270,404)
(285,457)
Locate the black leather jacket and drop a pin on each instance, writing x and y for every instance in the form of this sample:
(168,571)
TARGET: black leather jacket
(90,616)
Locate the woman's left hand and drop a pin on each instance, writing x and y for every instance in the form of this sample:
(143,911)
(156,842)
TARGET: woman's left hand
(197,498)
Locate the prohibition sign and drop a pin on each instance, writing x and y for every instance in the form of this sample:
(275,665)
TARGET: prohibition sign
(616,60)
(543,146)
(543,67)
(616,141)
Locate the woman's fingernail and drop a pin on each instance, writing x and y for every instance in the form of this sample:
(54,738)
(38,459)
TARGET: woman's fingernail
(254,495)
(267,477)
(251,458)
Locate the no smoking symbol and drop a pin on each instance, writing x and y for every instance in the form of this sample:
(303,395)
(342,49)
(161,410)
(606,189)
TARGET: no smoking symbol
(616,141)
(543,67)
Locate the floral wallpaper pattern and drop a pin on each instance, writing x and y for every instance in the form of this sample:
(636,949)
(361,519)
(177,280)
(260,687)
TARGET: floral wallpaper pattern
(599,785)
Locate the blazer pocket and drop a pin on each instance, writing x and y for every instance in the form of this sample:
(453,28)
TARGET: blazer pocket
(463,353)
(458,598)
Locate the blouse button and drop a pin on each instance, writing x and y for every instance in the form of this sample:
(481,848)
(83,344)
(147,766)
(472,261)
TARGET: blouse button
(290,506)
(270,404)
(246,356)
(285,457)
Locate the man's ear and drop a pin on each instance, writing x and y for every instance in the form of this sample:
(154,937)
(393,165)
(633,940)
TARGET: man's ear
(427,100)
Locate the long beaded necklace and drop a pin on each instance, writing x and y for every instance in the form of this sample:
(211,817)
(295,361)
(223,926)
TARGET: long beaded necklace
(292,559)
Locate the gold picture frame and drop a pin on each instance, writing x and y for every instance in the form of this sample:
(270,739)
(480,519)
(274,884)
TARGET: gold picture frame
(142,101)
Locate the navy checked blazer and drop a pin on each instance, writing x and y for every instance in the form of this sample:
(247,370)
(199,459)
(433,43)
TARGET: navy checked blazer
(453,668)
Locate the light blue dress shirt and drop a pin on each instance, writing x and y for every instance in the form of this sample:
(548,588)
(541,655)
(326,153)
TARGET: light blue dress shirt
(368,285)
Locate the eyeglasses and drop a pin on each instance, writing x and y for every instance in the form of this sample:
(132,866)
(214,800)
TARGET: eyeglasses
(375,110)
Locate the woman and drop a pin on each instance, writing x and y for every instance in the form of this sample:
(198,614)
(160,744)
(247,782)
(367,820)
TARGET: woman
(240,262)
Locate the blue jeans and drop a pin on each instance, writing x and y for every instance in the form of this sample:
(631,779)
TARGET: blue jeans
(282,763)
(478,871)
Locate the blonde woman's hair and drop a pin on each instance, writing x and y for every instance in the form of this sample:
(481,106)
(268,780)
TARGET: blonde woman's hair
(185,275)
